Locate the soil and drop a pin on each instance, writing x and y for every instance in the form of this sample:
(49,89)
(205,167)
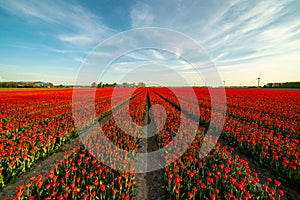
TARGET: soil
(141,191)
(149,184)
(155,184)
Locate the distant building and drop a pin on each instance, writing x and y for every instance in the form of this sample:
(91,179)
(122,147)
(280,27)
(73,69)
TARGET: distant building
(40,84)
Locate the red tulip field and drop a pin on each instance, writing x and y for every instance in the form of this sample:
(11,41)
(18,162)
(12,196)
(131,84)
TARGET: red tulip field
(257,155)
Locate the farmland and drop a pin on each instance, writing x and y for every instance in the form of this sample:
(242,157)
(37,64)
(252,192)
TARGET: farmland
(261,131)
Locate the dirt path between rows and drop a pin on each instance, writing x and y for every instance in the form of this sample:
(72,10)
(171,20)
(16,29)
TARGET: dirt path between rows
(149,184)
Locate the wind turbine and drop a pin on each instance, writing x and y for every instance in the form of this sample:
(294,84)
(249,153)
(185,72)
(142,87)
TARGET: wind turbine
(258,80)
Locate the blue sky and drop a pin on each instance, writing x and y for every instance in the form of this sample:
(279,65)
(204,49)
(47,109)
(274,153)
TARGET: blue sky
(50,40)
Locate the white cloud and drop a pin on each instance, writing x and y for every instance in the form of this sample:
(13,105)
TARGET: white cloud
(60,50)
(26,9)
(80,59)
(78,25)
(236,28)
(141,15)
(97,53)
(234,33)
(238,35)
(158,55)
(177,52)
(77,40)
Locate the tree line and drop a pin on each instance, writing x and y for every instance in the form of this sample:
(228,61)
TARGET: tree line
(39,84)
(283,85)
(123,85)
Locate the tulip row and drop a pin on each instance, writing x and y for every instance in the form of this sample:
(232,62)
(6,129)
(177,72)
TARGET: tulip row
(83,175)
(270,147)
(78,176)
(276,151)
(264,140)
(218,175)
(20,149)
(18,113)
(274,109)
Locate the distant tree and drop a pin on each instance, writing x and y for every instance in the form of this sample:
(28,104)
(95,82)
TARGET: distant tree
(141,85)
(30,85)
(8,85)
(132,85)
(94,84)
(125,84)
(283,85)
(100,85)
(50,85)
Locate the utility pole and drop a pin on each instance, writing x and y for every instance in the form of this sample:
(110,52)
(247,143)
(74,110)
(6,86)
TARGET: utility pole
(224,83)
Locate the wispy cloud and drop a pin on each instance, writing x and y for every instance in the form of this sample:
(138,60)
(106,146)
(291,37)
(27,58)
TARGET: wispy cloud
(79,26)
(141,15)
(62,51)
(242,23)
(30,9)
(258,34)
(233,32)
(80,59)
(158,55)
